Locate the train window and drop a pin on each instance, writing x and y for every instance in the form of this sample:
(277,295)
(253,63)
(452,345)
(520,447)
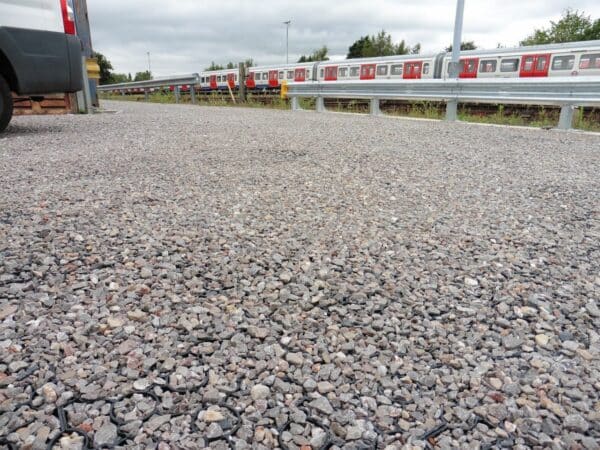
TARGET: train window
(235,78)
(487,65)
(425,68)
(382,71)
(367,71)
(265,75)
(542,63)
(590,61)
(331,73)
(257,76)
(343,72)
(528,64)
(468,66)
(281,75)
(354,71)
(322,73)
(563,62)
(509,65)
(290,74)
(397,69)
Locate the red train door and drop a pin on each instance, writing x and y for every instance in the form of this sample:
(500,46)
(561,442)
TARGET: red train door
(299,75)
(367,72)
(231,80)
(273,81)
(468,67)
(213,82)
(412,70)
(250,83)
(535,65)
(331,73)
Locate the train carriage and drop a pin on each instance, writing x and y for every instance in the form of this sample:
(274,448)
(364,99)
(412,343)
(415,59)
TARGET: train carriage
(554,60)
(271,77)
(392,67)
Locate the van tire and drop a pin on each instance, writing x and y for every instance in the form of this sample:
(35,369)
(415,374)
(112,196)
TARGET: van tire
(6,104)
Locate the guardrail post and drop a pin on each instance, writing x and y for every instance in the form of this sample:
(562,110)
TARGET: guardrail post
(193,94)
(375,111)
(320,106)
(452,111)
(295,104)
(566,117)
(176,90)
(145,95)
(242,82)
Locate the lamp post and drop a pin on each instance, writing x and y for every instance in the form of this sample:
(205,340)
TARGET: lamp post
(452,107)
(149,65)
(287,40)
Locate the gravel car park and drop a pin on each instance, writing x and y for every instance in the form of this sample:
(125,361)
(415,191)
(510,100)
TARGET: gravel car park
(182,277)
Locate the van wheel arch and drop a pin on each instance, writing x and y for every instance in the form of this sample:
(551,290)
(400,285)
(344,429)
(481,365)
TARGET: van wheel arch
(7,71)
(6,104)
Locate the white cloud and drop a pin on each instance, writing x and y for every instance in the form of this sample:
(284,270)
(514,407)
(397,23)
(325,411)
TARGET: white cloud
(186,35)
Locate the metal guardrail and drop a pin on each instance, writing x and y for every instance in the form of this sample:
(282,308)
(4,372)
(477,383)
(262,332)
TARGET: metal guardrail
(177,81)
(567,92)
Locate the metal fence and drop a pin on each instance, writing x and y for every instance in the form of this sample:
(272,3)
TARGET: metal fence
(567,92)
(177,82)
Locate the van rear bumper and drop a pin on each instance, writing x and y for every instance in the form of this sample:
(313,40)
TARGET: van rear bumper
(43,62)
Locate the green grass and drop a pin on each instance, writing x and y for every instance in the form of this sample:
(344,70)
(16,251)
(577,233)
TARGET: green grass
(543,118)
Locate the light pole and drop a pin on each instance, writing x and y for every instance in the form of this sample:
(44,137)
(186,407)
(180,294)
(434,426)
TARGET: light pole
(452,107)
(287,40)
(149,65)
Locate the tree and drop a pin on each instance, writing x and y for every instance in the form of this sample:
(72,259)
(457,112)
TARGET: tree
(105,68)
(356,49)
(469,45)
(214,66)
(249,63)
(231,65)
(119,78)
(380,44)
(143,76)
(317,55)
(573,26)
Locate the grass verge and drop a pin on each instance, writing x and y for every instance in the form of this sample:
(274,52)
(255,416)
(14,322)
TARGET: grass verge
(586,119)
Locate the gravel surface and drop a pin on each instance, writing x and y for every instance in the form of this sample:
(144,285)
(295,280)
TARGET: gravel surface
(184,277)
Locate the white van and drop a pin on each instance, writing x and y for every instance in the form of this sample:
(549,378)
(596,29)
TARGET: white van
(40,52)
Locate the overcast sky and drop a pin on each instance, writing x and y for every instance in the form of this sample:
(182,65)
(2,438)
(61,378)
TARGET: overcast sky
(184,36)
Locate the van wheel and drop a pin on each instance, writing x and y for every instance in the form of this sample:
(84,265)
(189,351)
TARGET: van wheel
(6,104)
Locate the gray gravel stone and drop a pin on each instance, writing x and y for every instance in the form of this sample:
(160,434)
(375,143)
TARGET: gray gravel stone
(576,422)
(295,358)
(322,404)
(106,435)
(260,392)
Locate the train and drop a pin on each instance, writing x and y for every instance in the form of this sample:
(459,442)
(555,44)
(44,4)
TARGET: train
(553,60)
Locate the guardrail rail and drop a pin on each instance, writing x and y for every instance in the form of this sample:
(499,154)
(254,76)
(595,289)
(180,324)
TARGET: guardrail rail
(176,81)
(565,92)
